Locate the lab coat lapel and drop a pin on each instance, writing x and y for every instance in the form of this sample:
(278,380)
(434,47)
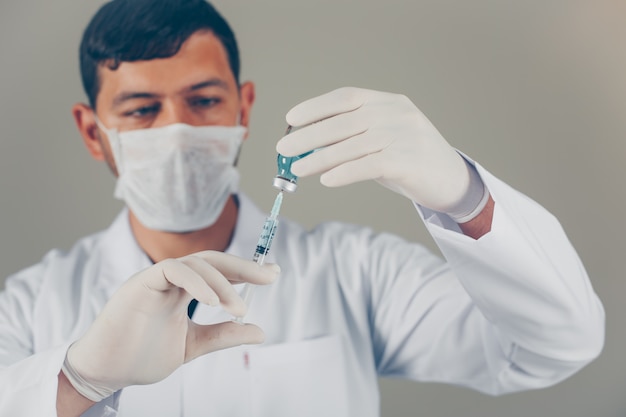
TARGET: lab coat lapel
(121,256)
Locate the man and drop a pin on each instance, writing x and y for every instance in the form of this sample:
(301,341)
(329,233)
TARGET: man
(511,309)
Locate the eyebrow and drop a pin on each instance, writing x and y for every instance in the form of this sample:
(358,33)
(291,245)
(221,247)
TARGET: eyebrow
(125,96)
(213,82)
(130,95)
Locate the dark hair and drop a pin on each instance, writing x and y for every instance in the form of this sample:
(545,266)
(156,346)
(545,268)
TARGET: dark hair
(133,30)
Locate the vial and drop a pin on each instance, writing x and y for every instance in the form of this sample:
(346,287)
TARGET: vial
(285,180)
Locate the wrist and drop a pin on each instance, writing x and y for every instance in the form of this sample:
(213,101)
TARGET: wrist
(481,224)
(90,390)
(474,199)
(70,402)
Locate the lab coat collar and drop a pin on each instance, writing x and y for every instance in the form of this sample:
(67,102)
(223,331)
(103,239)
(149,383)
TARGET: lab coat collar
(122,256)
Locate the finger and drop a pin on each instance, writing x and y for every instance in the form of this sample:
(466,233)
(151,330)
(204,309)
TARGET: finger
(327,105)
(176,273)
(237,269)
(351,149)
(228,297)
(370,167)
(202,339)
(324,133)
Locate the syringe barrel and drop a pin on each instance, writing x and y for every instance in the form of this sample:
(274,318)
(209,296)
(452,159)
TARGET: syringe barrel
(267,236)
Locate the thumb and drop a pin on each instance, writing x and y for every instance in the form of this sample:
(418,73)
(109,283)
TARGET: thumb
(203,339)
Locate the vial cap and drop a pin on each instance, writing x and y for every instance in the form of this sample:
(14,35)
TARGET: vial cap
(284,185)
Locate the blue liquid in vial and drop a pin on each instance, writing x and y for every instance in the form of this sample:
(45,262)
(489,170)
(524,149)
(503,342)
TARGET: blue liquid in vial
(285,179)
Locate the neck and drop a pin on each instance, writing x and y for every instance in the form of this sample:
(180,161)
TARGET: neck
(160,245)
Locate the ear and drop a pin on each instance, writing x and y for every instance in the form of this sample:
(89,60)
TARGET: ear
(247,94)
(85,120)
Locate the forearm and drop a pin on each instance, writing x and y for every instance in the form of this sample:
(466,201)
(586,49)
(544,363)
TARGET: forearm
(69,402)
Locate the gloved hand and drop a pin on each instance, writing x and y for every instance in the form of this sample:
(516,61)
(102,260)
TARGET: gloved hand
(143,333)
(364,134)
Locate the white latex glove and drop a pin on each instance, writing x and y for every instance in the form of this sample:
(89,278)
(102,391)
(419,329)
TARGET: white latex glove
(364,134)
(143,333)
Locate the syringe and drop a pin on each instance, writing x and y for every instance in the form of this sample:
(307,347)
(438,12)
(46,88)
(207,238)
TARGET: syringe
(285,180)
(263,246)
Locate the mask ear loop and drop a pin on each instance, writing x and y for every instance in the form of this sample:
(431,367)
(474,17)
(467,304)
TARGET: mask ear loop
(238,121)
(114,143)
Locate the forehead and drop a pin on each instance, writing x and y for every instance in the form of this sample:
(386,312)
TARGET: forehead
(201,56)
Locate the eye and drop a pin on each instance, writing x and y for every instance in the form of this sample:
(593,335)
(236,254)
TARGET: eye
(143,111)
(204,102)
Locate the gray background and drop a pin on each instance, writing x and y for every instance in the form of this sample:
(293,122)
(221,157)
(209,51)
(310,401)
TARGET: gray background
(534,90)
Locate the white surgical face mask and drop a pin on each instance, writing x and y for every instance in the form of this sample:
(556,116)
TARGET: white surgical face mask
(176,178)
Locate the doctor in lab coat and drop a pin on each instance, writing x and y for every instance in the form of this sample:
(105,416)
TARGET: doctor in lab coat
(509,308)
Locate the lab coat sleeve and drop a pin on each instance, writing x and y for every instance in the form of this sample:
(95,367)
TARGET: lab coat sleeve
(28,380)
(539,319)
(29,387)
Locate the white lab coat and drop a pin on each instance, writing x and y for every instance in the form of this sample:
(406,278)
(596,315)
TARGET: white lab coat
(513,310)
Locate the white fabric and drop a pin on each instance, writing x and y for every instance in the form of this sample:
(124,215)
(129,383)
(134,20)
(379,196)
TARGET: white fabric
(176,178)
(513,310)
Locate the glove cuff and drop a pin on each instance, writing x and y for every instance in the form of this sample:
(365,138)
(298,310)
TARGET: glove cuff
(93,392)
(474,201)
